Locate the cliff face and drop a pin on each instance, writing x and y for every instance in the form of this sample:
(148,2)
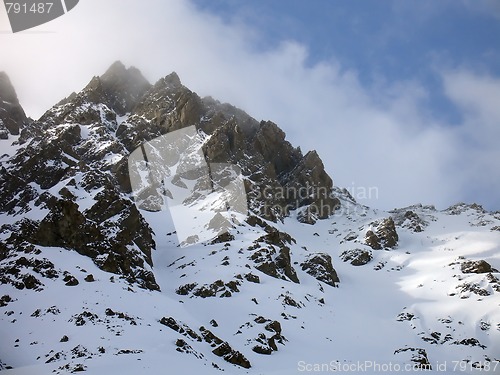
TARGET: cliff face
(78,151)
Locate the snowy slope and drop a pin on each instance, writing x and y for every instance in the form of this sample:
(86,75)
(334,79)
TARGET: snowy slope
(414,301)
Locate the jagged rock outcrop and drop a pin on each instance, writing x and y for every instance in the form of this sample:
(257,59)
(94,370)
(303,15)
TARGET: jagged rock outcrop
(313,189)
(266,342)
(221,348)
(320,267)
(271,255)
(74,147)
(72,166)
(476,266)
(357,257)
(409,219)
(384,237)
(12,116)
(119,89)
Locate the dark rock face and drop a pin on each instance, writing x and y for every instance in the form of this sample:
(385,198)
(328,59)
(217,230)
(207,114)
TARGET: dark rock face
(478,266)
(266,342)
(119,88)
(372,240)
(217,288)
(77,152)
(280,178)
(314,188)
(320,267)
(232,356)
(275,265)
(12,116)
(271,256)
(357,257)
(384,237)
(122,87)
(111,230)
(221,348)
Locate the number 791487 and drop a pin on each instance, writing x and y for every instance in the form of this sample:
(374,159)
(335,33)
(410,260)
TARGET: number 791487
(25,8)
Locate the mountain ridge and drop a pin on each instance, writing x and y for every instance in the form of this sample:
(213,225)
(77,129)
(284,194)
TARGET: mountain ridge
(286,290)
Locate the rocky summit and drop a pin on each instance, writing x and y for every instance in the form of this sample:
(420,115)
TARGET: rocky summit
(94,278)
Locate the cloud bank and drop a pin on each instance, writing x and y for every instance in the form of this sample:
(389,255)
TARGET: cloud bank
(383,135)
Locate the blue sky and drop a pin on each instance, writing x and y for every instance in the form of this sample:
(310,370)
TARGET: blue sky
(402,96)
(382,39)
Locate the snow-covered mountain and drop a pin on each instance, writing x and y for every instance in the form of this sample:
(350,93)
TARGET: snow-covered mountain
(93,277)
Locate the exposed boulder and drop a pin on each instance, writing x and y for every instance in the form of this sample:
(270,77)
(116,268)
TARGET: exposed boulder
(5,300)
(172,324)
(384,237)
(465,290)
(70,280)
(266,344)
(261,349)
(469,342)
(320,266)
(252,278)
(372,240)
(272,256)
(386,231)
(232,356)
(357,257)
(210,338)
(476,266)
(275,263)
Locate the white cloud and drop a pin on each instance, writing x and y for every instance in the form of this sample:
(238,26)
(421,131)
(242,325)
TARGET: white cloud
(477,94)
(476,139)
(379,136)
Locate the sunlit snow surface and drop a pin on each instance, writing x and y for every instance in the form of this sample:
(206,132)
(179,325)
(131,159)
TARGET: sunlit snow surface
(357,324)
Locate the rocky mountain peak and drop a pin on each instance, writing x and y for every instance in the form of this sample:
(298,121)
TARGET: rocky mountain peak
(79,150)
(12,116)
(117,68)
(119,87)
(173,79)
